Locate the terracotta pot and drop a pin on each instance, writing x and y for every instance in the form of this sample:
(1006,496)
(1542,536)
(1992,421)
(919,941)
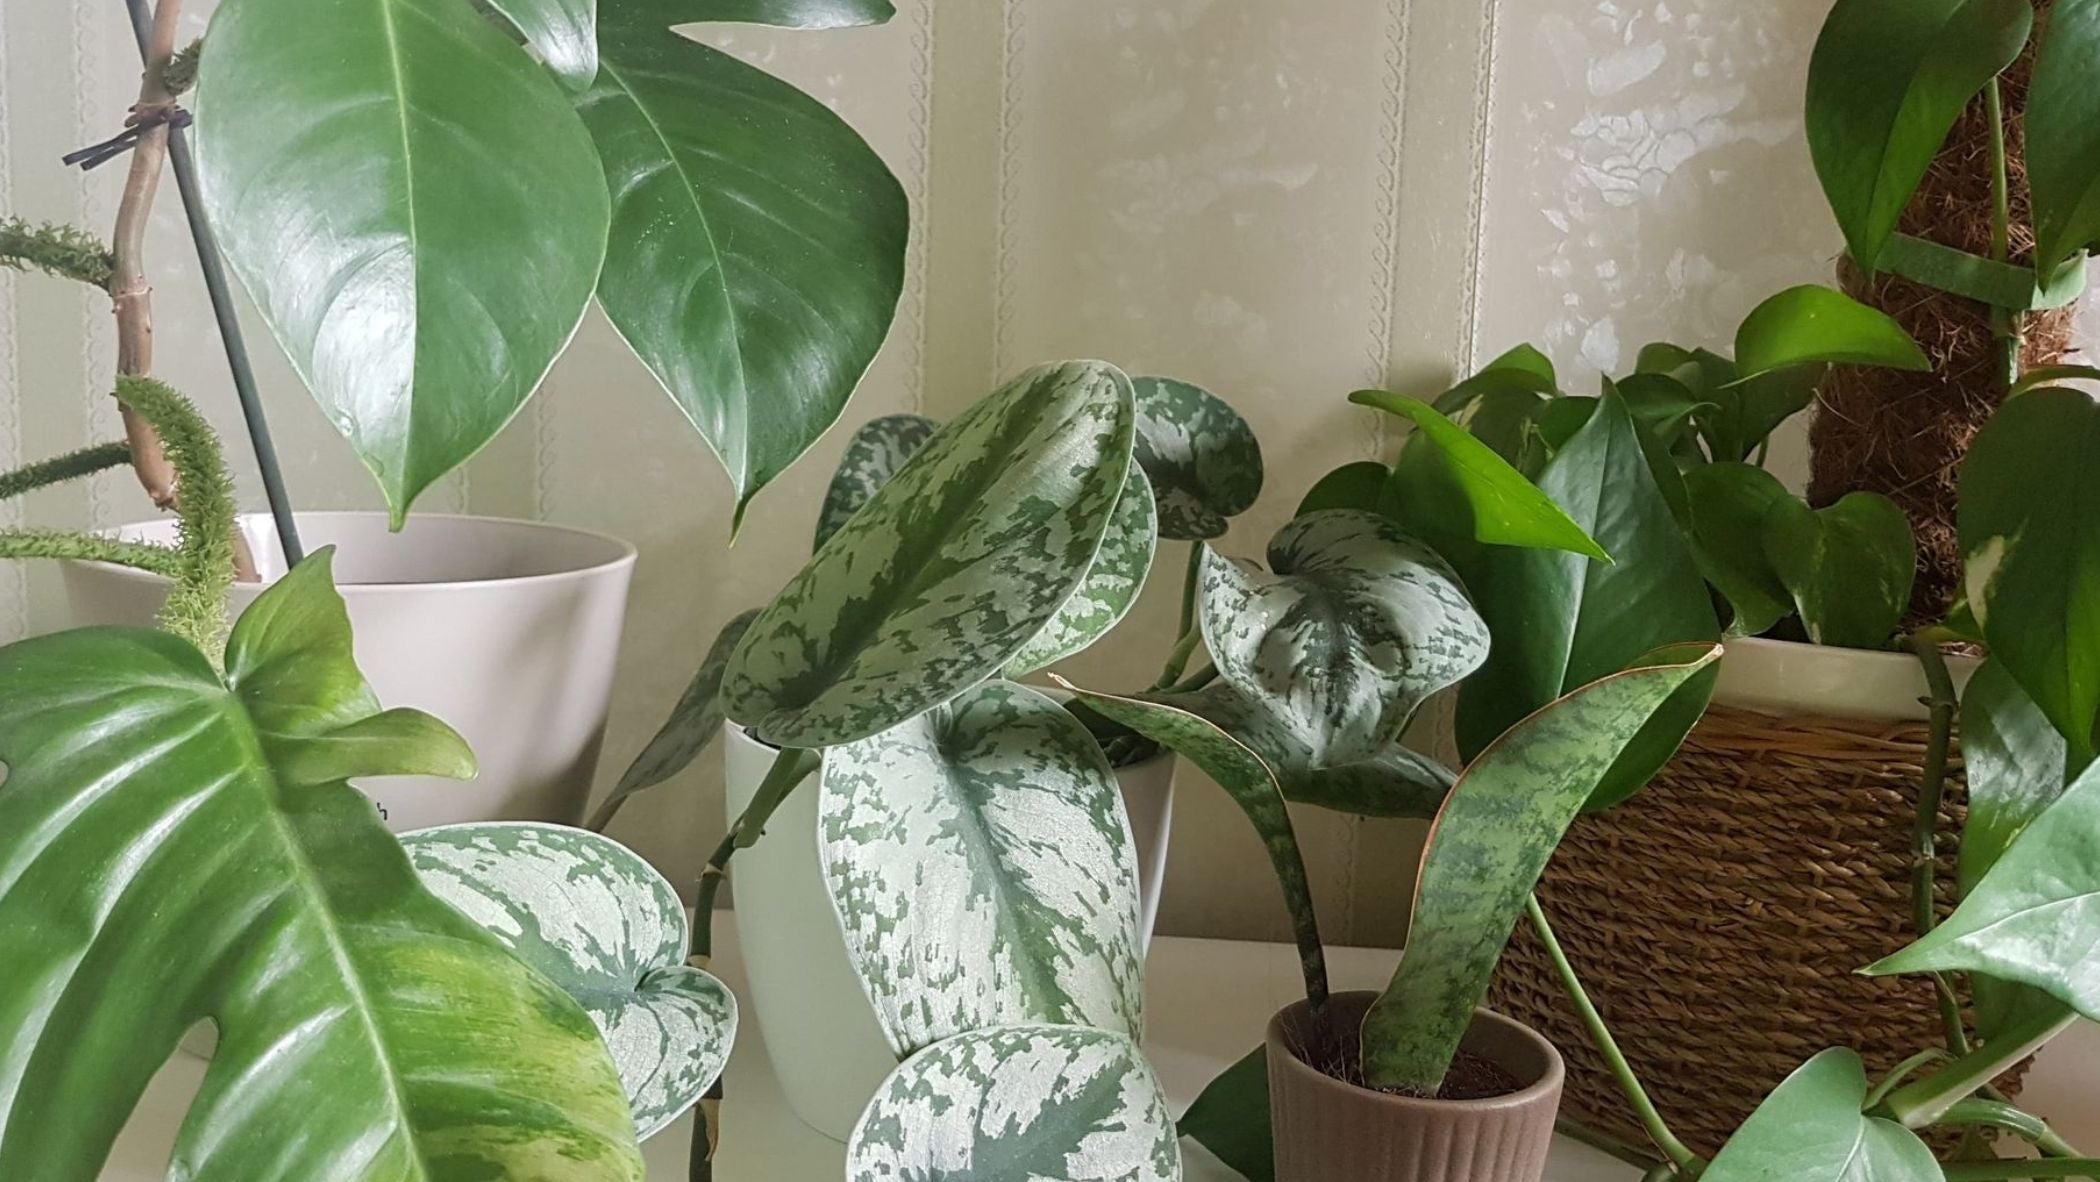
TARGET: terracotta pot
(1328,1130)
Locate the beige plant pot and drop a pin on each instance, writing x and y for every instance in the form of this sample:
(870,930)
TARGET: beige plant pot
(1329,1130)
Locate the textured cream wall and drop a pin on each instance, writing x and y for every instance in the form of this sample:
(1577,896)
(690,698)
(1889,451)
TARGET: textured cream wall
(1282,201)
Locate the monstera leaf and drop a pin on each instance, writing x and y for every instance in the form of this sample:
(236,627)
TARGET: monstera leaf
(693,724)
(1811,1129)
(1110,589)
(1848,566)
(600,922)
(563,32)
(1037,1102)
(948,571)
(1354,624)
(1201,456)
(878,451)
(757,244)
(1486,850)
(177,848)
(984,870)
(345,149)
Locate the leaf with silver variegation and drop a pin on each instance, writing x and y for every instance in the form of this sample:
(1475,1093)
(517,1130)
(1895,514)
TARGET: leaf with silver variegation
(984,871)
(878,451)
(600,922)
(1202,458)
(1352,627)
(1110,588)
(1062,1103)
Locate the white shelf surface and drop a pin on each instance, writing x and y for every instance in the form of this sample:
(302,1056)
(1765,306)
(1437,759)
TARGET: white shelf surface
(1207,1003)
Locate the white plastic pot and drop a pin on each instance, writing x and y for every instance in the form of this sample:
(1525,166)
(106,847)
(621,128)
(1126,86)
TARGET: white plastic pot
(818,1026)
(507,630)
(1786,677)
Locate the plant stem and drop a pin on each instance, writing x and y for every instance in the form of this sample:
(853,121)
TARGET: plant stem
(1681,1156)
(70,466)
(37,543)
(1179,658)
(1191,582)
(1903,1071)
(1924,841)
(2047,1167)
(1975,1113)
(1916,1105)
(1193,681)
(2005,322)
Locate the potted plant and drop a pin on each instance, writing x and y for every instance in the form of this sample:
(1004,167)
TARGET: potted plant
(423,315)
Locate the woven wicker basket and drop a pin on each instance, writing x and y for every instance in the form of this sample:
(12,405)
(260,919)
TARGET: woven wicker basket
(1717,919)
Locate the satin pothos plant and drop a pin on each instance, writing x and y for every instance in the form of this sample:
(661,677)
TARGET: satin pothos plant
(423,197)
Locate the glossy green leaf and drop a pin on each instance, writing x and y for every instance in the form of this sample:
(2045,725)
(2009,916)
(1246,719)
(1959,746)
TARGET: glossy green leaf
(1253,786)
(1057,1103)
(1202,457)
(790,14)
(1231,1118)
(757,244)
(600,922)
(1486,850)
(2063,135)
(345,149)
(1457,483)
(953,566)
(1815,324)
(1811,1129)
(1886,83)
(1521,369)
(694,722)
(878,451)
(1848,566)
(2026,523)
(984,871)
(1743,414)
(1662,405)
(1508,421)
(1111,587)
(156,871)
(1352,627)
(1729,504)
(564,33)
(1361,485)
(1560,620)
(2034,917)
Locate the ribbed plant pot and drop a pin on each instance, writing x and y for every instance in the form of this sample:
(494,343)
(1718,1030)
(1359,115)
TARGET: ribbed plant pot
(509,631)
(1329,1130)
(817,1023)
(1718,917)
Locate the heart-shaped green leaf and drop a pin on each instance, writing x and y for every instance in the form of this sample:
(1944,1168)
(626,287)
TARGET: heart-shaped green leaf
(1110,589)
(1361,485)
(1352,627)
(1521,370)
(1202,457)
(2028,504)
(948,571)
(2063,135)
(694,722)
(601,923)
(1252,785)
(1035,1102)
(878,451)
(1811,324)
(1743,414)
(1231,1118)
(1486,850)
(345,149)
(984,872)
(1848,566)
(1810,1129)
(2034,917)
(1886,82)
(156,871)
(1560,620)
(563,32)
(1729,504)
(1448,480)
(757,244)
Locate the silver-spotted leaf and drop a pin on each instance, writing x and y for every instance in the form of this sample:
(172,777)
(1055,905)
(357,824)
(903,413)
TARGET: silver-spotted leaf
(757,242)
(1394,782)
(953,566)
(1486,850)
(1352,627)
(157,871)
(345,150)
(878,451)
(600,922)
(1049,1103)
(1201,456)
(1110,588)
(1811,1129)
(984,870)
(694,722)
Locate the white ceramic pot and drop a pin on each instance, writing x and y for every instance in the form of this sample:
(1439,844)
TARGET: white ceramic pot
(1786,677)
(507,630)
(818,1027)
